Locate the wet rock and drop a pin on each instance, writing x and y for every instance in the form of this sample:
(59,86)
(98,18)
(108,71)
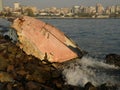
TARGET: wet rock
(3,63)
(18,66)
(5,77)
(107,87)
(20,71)
(57,84)
(9,86)
(12,86)
(28,72)
(10,68)
(89,86)
(55,74)
(113,59)
(69,87)
(32,86)
(38,73)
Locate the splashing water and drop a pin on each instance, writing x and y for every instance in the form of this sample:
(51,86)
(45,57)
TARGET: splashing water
(91,70)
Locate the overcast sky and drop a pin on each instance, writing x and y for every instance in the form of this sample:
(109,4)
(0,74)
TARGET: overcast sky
(61,3)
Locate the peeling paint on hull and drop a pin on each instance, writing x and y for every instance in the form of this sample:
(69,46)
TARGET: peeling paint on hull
(42,40)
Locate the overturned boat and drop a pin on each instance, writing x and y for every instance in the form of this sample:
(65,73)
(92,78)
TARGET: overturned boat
(43,40)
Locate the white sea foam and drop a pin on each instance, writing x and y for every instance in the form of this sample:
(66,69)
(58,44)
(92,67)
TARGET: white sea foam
(89,70)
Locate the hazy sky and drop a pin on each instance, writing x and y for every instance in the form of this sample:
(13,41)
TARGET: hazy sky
(61,3)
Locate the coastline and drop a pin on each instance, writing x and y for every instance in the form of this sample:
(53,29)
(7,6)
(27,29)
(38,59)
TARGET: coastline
(48,17)
(77,17)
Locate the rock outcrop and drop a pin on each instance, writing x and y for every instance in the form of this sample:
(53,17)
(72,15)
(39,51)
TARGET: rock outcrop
(113,59)
(19,71)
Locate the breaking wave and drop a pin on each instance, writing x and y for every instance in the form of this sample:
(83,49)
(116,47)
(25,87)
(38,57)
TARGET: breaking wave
(91,70)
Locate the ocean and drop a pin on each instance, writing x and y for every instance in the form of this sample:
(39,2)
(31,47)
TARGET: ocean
(98,37)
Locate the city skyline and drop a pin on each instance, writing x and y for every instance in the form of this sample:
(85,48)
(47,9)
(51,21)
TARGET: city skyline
(61,3)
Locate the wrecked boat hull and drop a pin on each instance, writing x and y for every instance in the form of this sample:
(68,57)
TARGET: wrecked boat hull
(43,40)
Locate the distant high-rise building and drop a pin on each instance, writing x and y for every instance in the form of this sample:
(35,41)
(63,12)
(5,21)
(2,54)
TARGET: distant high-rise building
(16,6)
(99,9)
(76,9)
(1,5)
(117,8)
(112,9)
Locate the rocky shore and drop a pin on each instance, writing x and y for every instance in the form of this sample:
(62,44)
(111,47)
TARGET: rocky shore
(19,71)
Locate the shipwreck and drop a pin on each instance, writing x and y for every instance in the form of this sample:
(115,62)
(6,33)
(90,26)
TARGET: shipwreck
(43,40)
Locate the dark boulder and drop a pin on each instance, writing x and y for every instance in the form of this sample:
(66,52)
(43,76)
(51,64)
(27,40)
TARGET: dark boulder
(19,71)
(89,86)
(107,87)
(113,59)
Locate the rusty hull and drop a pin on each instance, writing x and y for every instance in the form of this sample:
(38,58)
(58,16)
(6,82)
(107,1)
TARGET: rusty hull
(42,40)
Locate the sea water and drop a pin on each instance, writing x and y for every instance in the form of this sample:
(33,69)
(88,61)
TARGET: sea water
(98,37)
(91,70)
